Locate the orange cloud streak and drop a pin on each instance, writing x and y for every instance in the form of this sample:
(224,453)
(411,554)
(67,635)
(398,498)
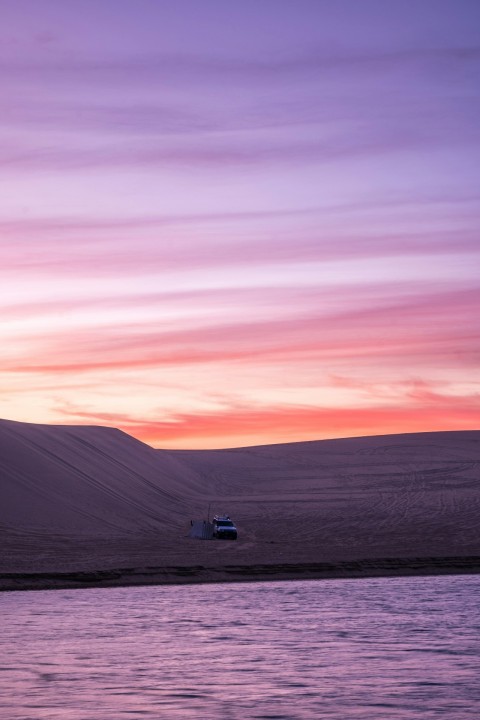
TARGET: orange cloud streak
(235,427)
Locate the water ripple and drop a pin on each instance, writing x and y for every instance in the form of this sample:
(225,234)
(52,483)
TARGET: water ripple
(402,649)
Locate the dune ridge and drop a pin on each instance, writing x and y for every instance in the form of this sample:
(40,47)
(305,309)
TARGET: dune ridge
(82,505)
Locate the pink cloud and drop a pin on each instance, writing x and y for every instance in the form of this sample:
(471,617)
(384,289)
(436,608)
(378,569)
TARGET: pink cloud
(107,251)
(436,328)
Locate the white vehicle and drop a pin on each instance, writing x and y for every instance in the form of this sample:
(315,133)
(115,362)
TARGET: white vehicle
(223,528)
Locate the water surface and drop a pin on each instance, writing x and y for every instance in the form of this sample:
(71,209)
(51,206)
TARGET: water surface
(376,648)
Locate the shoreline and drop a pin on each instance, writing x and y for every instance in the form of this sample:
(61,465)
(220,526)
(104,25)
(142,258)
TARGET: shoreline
(203,574)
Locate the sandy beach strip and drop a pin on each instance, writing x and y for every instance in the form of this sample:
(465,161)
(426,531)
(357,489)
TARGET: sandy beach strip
(185,574)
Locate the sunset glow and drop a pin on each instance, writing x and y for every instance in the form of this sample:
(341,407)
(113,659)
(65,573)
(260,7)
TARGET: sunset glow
(228,224)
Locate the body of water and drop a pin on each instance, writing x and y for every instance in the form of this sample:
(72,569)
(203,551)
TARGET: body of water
(405,648)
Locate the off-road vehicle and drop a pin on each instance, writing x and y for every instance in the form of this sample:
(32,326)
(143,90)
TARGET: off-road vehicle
(223,528)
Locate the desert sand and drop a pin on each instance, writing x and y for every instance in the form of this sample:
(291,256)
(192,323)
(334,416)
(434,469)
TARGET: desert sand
(92,506)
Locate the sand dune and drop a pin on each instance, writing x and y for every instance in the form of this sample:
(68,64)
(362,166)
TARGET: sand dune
(95,500)
(84,481)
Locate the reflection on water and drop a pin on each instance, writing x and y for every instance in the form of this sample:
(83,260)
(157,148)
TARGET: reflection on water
(381,648)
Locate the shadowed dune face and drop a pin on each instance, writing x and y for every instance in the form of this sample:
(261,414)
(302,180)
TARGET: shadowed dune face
(95,497)
(89,481)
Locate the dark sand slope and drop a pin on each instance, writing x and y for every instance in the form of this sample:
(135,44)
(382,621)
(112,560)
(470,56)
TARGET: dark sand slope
(92,506)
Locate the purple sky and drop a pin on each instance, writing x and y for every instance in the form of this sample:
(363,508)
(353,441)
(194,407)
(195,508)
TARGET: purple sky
(236,223)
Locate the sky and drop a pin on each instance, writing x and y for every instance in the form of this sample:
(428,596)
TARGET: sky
(239,223)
